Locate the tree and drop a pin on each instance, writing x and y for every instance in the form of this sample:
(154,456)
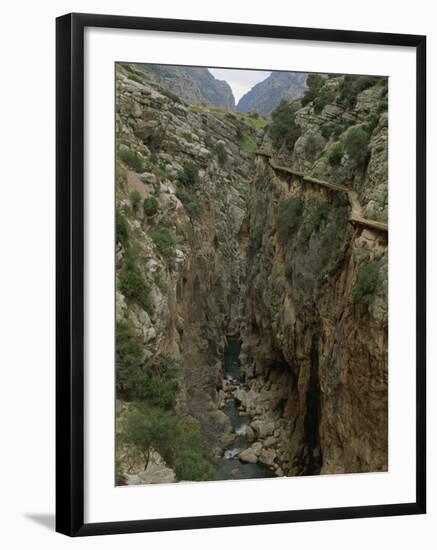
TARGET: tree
(135,199)
(356,145)
(189,175)
(283,129)
(150,206)
(367,282)
(150,428)
(134,287)
(288,218)
(128,359)
(335,154)
(222,155)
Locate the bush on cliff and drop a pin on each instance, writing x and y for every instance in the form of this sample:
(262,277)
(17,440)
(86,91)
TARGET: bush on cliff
(128,360)
(367,283)
(150,428)
(222,155)
(194,461)
(283,129)
(122,229)
(135,199)
(288,218)
(132,159)
(150,206)
(335,154)
(314,82)
(189,175)
(164,241)
(160,384)
(356,145)
(135,289)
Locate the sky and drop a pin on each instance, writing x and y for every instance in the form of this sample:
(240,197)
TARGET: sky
(240,80)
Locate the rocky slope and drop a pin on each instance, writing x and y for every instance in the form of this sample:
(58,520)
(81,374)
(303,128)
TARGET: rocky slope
(191,84)
(182,181)
(265,96)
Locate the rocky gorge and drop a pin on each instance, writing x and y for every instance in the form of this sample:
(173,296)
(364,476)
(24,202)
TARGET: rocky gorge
(251,301)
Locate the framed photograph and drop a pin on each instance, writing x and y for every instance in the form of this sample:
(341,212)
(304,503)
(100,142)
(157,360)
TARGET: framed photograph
(239,341)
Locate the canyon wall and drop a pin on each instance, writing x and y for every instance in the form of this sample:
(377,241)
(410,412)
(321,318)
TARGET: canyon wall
(181,187)
(315,341)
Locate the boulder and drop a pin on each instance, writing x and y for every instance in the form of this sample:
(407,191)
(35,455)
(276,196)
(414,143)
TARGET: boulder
(267,456)
(249,456)
(263,428)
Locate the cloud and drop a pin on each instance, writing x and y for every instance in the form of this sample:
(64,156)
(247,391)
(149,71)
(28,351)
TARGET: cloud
(240,80)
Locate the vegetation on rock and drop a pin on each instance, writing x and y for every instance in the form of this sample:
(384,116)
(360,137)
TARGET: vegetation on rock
(367,282)
(283,129)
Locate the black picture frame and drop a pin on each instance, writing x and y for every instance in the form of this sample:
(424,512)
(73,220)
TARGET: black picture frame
(70,273)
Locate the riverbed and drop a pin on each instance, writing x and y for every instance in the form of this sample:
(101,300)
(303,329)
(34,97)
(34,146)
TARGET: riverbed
(230,466)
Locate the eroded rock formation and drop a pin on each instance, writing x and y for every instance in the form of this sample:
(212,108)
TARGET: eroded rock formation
(212,240)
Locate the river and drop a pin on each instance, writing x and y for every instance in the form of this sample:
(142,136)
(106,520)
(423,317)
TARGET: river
(230,466)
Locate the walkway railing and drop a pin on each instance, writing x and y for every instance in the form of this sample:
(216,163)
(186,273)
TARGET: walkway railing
(356,216)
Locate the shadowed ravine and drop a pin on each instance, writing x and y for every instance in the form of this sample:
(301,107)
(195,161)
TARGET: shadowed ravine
(230,466)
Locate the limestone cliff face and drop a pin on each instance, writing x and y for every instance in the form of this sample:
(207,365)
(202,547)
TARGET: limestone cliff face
(192,84)
(315,342)
(324,125)
(266,95)
(181,188)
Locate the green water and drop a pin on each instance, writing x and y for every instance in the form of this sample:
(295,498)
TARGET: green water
(229,462)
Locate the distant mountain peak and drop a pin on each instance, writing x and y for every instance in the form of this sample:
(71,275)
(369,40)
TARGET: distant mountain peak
(265,96)
(192,84)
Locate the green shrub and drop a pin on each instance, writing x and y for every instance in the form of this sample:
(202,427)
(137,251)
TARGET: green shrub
(311,147)
(180,443)
(283,129)
(351,86)
(382,105)
(288,218)
(150,428)
(323,98)
(193,460)
(150,206)
(132,159)
(209,143)
(188,136)
(164,241)
(135,289)
(135,199)
(248,143)
(120,478)
(190,201)
(367,282)
(335,154)
(314,82)
(356,145)
(128,360)
(121,229)
(326,130)
(189,175)
(160,383)
(220,151)
(318,214)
